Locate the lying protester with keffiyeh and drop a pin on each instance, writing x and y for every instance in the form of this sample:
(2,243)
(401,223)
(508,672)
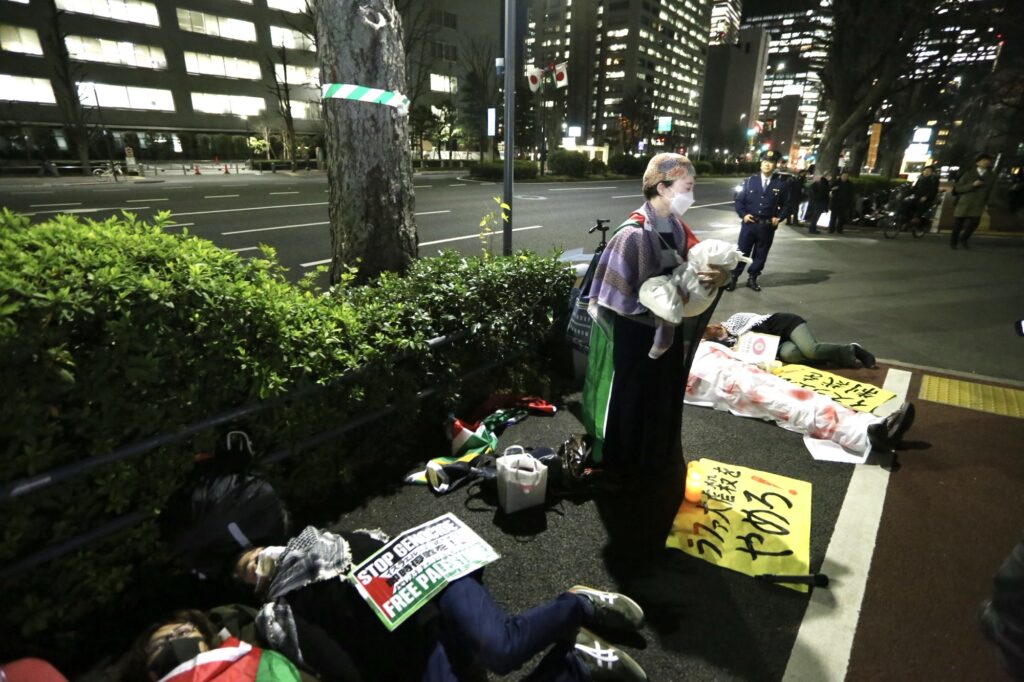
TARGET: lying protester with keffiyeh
(316,617)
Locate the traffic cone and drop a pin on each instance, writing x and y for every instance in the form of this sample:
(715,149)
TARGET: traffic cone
(197,169)
(226,171)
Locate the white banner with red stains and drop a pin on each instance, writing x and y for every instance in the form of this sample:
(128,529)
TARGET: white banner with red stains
(750,521)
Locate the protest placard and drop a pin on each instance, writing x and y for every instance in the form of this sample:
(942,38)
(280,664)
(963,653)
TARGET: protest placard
(850,393)
(403,575)
(755,347)
(751,521)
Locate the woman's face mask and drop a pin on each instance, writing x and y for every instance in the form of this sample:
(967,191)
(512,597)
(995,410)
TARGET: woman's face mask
(681,202)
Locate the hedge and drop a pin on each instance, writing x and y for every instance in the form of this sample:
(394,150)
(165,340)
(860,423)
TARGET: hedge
(114,331)
(495,170)
(565,162)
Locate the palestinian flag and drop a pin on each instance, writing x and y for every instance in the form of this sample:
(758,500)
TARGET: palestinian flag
(235,661)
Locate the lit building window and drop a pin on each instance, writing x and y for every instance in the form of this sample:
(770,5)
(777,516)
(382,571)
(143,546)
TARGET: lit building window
(19,39)
(23,89)
(135,11)
(212,25)
(236,105)
(298,75)
(115,52)
(291,39)
(293,6)
(439,83)
(305,110)
(226,67)
(125,97)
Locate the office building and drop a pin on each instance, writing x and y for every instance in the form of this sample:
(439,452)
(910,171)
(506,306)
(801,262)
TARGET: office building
(798,32)
(725,21)
(732,93)
(633,66)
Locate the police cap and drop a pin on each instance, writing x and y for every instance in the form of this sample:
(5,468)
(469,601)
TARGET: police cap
(771,155)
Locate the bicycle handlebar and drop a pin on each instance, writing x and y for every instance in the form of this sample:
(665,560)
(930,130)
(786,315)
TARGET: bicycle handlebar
(601,225)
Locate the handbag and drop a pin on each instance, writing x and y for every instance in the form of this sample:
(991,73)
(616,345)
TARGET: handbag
(578,331)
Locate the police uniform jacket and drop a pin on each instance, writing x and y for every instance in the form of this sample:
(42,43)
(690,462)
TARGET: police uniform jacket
(763,203)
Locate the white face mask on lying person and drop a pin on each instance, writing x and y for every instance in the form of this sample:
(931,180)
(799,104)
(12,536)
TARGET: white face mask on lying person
(681,202)
(266,563)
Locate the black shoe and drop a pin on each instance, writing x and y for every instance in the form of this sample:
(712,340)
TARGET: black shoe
(731,286)
(813,232)
(752,283)
(866,358)
(887,434)
(604,662)
(612,610)
(964,244)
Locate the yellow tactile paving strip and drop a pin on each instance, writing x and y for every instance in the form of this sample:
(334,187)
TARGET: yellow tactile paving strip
(1008,402)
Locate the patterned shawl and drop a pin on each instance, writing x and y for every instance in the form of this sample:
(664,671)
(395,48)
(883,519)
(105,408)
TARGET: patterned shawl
(633,256)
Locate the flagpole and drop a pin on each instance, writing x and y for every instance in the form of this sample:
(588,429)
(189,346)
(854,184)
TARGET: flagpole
(511,71)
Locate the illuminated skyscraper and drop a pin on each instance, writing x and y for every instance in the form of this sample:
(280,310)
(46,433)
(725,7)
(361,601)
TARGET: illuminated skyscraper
(725,21)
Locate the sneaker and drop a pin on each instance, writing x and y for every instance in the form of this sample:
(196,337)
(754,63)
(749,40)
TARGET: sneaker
(866,358)
(612,610)
(604,662)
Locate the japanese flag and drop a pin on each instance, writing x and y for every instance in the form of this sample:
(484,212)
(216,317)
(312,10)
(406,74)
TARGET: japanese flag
(562,75)
(534,78)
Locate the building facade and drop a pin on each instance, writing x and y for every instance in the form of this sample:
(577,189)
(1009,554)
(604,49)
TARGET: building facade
(725,22)
(635,68)
(798,32)
(732,93)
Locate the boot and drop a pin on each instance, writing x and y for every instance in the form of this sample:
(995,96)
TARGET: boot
(731,286)
(752,283)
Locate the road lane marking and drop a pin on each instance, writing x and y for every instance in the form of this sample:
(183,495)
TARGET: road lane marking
(139,201)
(627,196)
(273,193)
(68,203)
(720,203)
(220,196)
(825,639)
(578,189)
(179,187)
(277,227)
(179,224)
(40,192)
(107,191)
(458,184)
(252,208)
(422,186)
(313,264)
(431,212)
(89,210)
(245,248)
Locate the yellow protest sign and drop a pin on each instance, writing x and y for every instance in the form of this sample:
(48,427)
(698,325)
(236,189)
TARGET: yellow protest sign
(850,393)
(751,521)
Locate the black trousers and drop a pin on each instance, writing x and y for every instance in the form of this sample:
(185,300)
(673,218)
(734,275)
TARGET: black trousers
(965,224)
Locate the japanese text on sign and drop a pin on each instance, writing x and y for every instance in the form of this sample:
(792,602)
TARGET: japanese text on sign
(753,522)
(850,393)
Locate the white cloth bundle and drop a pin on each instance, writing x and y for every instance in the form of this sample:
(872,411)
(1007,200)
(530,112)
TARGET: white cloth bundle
(663,295)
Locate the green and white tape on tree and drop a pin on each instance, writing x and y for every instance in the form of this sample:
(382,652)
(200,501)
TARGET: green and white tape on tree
(361,93)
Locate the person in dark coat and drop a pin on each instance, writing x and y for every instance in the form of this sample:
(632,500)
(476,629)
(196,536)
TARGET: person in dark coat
(817,202)
(796,196)
(840,203)
(972,191)
(315,616)
(760,204)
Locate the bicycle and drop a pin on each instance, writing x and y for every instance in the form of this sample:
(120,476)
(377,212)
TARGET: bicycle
(109,171)
(897,221)
(602,225)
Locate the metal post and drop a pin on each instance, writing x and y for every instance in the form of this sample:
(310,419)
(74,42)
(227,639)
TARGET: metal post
(511,73)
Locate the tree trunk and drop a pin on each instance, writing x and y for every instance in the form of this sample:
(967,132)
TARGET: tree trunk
(859,152)
(369,164)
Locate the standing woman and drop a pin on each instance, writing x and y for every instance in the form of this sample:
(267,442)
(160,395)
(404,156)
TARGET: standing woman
(636,368)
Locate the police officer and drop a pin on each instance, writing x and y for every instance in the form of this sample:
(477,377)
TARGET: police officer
(761,204)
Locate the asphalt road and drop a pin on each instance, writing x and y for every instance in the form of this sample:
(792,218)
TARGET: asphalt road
(910,301)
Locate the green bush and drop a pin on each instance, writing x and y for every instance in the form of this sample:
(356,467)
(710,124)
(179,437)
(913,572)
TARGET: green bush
(703,167)
(565,162)
(597,167)
(869,184)
(112,332)
(495,170)
(627,164)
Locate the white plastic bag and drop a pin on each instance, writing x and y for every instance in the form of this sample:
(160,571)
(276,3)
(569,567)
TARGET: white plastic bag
(663,295)
(522,482)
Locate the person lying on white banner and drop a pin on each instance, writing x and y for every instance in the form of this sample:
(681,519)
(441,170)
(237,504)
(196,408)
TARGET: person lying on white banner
(721,379)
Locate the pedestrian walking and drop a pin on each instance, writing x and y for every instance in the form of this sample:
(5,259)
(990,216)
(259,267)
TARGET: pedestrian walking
(840,203)
(972,192)
(817,202)
(760,204)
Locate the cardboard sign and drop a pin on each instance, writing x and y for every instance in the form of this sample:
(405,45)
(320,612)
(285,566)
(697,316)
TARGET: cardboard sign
(756,347)
(850,393)
(403,575)
(750,521)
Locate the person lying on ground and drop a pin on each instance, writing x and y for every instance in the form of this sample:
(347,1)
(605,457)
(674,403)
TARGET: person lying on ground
(721,379)
(186,648)
(796,342)
(316,617)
